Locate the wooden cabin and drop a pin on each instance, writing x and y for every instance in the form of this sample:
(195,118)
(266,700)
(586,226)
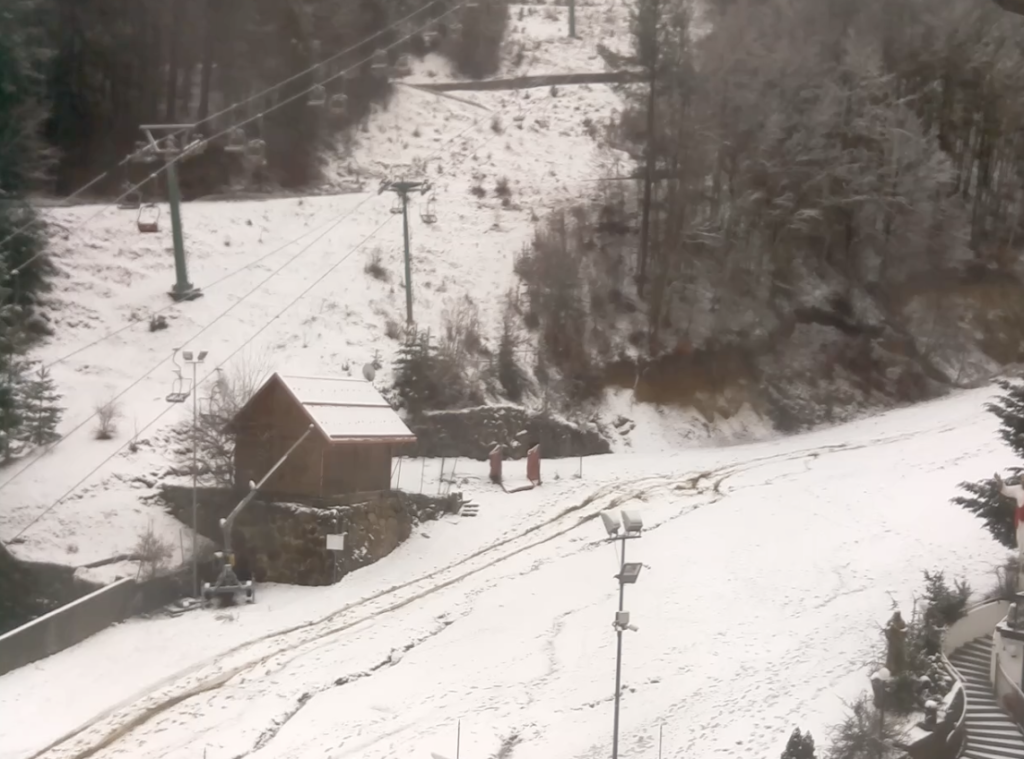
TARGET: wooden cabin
(356,434)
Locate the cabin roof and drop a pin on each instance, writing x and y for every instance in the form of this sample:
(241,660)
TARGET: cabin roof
(344,409)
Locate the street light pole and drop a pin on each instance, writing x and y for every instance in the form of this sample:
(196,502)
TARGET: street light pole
(195,476)
(195,361)
(618,654)
(631,527)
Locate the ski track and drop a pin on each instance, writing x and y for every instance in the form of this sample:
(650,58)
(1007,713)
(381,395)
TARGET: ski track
(288,646)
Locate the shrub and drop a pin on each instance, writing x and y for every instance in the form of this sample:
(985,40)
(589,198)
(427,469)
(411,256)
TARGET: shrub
(864,734)
(151,552)
(800,746)
(374,267)
(107,415)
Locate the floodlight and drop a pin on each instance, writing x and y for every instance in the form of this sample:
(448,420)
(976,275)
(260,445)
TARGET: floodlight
(622,618)
(202,355)
(611,524)
(187,355)
(632,522)
(630,572)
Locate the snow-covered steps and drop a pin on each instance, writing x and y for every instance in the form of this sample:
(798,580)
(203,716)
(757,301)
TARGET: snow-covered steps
(991,734)
(469,510)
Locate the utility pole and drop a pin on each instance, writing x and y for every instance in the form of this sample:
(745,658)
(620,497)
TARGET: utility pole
(572,18)
(402,190)
(170,150)
(653,13)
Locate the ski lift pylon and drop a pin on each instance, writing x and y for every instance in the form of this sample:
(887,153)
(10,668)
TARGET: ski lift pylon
(148,220)
(181,388)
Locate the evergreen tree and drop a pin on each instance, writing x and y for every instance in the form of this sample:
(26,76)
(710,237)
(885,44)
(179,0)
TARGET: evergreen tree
(983,498)
(800,746)
(40,408)
(415,384)
(510,373)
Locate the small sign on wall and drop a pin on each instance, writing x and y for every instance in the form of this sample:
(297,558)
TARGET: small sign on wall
(336,542)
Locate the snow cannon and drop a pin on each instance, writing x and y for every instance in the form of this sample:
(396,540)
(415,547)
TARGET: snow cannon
(228,588)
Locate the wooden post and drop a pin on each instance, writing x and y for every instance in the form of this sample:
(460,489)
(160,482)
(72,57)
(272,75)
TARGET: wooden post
(495,460)
(533,465)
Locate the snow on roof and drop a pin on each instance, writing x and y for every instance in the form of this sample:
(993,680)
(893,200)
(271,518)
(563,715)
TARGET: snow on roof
(347,409)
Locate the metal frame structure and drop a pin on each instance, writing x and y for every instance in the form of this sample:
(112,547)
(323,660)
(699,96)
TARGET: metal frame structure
(168,149)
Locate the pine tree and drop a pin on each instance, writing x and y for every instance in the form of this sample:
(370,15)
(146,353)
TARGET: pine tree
(983,498)
(415,384)
(800,746)
(39,408)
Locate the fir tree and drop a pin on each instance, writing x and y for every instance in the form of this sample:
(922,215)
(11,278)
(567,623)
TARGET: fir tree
(983,498)
(800,746)
(415,384)
(510,374)
(39,408)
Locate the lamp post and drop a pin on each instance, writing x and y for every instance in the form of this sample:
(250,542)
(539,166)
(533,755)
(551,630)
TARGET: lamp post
(629,528)
(195,361)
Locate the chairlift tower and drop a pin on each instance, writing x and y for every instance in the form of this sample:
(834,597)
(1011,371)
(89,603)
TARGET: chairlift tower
(171,148)
(402,190)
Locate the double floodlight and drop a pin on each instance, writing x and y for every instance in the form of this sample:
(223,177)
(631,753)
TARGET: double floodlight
(632,524)
(187,355)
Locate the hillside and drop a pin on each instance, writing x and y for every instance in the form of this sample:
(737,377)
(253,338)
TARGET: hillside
(768,571)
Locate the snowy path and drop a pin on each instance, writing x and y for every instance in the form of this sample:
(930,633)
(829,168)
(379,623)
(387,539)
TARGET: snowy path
(756,612)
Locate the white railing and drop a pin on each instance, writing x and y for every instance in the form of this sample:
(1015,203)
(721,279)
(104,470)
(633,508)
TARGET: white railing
(979,621)
(1008,655)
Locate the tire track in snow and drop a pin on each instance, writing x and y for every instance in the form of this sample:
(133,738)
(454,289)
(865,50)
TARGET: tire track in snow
(393,659)
(98,734)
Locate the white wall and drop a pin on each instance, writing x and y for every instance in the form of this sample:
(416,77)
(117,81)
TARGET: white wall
(980,621)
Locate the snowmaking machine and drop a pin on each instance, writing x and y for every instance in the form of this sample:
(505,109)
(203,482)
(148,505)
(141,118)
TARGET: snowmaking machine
(228,587)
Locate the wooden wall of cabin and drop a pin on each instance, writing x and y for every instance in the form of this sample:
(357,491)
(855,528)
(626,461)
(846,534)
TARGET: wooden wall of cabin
(271,425)
(356,468)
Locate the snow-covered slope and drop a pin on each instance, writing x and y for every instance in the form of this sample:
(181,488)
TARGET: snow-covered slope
(768,569)
(302,261)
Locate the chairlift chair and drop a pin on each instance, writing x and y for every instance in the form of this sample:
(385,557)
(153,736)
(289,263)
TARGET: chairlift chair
(379,64)
(237,141)
(337,105)
(396,207)
(256,152)
(144,153)
(148,219)
(182,387)
(317,95)
(429,214)
(403,67)
(131,200)
(430,38)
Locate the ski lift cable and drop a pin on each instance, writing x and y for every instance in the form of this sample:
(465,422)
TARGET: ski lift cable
(220,366)
(280,104)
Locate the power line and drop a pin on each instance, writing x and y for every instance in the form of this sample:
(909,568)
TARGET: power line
(185,153)
(234,106)
(247,342)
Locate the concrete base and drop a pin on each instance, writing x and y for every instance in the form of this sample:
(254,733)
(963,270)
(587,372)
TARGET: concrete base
(189,294)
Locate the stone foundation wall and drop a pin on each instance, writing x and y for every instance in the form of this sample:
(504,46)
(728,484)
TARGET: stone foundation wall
(472,433)
(280,539)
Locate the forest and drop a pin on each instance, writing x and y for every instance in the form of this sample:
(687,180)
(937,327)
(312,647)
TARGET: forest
(828,198)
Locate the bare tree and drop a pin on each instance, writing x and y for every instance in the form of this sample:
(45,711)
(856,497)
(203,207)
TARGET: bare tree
(230,391)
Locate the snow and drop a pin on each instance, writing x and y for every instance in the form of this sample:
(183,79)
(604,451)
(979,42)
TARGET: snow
(768,568)
(767,564)
(345,408)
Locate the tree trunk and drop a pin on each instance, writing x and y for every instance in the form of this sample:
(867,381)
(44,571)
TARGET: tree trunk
(174,43)
(208,52)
